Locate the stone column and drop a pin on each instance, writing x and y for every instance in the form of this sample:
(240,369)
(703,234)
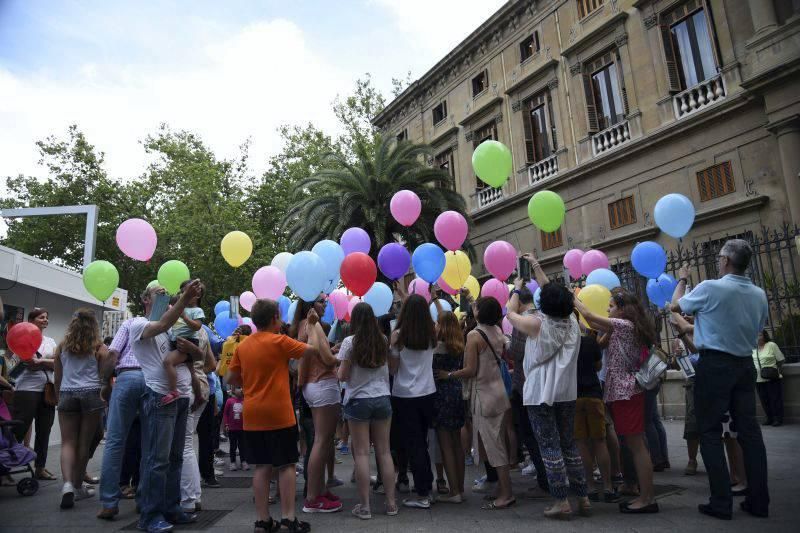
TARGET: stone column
(763,14)
(787,132)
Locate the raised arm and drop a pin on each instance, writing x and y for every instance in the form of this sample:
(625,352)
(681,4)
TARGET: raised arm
(318,339)
(538,273)
(169,318)
(595,321)
(680,289)
(530,325)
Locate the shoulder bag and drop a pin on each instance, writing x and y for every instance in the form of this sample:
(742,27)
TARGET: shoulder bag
(768,373)
(652,369)
(501,364)
(50,399)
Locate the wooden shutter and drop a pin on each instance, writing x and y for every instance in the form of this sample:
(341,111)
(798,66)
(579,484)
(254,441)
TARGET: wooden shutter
(530,151)
(673,75)
(591,105)
(621,213)
(551,240)
(715,181)
(623,93)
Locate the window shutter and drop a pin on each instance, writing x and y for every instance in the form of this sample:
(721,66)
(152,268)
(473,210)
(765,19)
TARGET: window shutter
(673,76)
(591,106)
(530,155)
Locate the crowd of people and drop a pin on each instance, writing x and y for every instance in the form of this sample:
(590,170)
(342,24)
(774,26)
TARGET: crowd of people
(415,386)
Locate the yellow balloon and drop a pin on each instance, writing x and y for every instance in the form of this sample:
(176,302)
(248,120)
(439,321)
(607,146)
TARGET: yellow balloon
(236,248)
(596,298)
(457,268)
(473,287)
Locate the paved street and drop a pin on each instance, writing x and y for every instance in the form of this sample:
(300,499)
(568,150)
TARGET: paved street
(236,512)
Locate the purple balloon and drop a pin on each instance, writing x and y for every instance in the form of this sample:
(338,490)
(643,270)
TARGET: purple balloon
(355,240)
(532,285)
(394,260)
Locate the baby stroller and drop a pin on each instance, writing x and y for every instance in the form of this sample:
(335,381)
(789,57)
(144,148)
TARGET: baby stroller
(15,458)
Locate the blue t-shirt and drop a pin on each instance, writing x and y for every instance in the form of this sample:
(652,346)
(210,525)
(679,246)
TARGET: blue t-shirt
(729,313)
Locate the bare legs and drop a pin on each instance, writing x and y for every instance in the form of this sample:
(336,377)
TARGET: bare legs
(736,461)
(453,458)
(77,432)
(591,451)
(325,419)
(644,470)
(286,487)
(376,431)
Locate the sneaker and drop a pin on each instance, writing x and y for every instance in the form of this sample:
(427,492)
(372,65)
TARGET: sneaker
(219,461)
(67,496)
(379,488)
(84,492)
(223,437)
(344,450)
(321,505)
(691,469)
(417,503)
(220,453)
(484,487)
(359,511)
(328,495)
(161,526)
(337,460)
(441,486)
(183,518)
(233,467)
(617,480)
(108,513)
(218,472)
(211,483)
(529,470)
(334,482)
(402,487)
(245,466)
(469,460)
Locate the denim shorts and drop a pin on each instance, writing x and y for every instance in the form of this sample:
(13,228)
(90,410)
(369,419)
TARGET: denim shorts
(80,401)
(366,409)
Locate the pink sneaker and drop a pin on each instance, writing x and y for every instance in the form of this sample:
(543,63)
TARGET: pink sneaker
(331,497)
(321,505)
(170,397)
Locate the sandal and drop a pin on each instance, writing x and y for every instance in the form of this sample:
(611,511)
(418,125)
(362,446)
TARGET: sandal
(558,512)
(295,526)
(128,493)
(492,506)
(43,475)
(270,526)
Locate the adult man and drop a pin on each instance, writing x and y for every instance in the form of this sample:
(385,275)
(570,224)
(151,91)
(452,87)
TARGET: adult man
(729,312)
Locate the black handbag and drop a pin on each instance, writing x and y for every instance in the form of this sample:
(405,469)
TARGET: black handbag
(768,373)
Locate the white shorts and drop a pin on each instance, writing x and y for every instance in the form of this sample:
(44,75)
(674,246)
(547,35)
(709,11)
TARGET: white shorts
(322,393)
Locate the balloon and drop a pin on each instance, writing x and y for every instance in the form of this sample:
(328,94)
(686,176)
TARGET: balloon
(332,255)
(596,298)
(225,325)
(137,239)
(100,279)
(24,339)
(435,312)
(546,210)
(421,287)
(358,273)
(604,277)
(152,284)
(660,290)
(532,285)
(172,274)
(592,260)
(247,299)
(338,300)
(472,286)
(352,304)
(674,214)
(500,259)
(537,298)
(305,276)
(291,311)
(457,268)
(446,288)
(451,230)
(649,259)
(572,262)
(329,315)
(355,240)
(496,289)
(282,260)
(380,298)
(507,327)
(236,248)
(222,307)
(405,207)
(394,260)
(428,261)
(331,286)
(269,282)
(283,307)
(492,162)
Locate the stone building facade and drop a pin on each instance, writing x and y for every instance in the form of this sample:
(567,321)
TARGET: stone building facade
(612,104)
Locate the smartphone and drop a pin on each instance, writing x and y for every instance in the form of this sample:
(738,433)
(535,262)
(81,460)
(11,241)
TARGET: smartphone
(160,305)
(234,313)
(524,269)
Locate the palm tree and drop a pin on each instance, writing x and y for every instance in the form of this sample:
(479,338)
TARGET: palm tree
(356,193)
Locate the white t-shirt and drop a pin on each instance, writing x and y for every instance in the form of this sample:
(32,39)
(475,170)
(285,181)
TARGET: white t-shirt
(551,362)
(414,377)
(151,353)
(364,382)
(34,380)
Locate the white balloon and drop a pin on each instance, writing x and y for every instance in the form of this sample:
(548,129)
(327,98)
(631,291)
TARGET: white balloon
(281,261)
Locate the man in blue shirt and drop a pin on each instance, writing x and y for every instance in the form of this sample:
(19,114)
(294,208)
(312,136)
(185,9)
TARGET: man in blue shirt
(729,313)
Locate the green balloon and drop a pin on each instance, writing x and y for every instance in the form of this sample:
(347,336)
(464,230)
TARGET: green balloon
(546,210)
(172,274)
(152,284)
(491,161)
(101,279)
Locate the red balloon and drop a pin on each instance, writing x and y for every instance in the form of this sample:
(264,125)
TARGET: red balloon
(24,339)
(358,273)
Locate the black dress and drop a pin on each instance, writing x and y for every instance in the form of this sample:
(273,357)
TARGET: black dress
(448,403)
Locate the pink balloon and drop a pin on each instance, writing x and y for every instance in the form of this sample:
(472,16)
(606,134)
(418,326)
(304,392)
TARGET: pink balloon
(247,299)
(592,260)
(451,230)
(352,305)
(507,327)
(421,287)
(572,262)
(405,207)
(339,301)
(500,259)
(137,239)
(496,289)
(269,282)
(446,288)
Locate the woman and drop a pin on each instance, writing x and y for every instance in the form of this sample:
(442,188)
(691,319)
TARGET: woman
(411,363)
(551,388)
(770,391)
(632,333)
(490,405)
(29,395)
(449,404)
(367,407)
(317,379)
(77,379)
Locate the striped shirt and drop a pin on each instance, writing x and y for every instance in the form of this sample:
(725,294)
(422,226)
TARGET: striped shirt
(124,347)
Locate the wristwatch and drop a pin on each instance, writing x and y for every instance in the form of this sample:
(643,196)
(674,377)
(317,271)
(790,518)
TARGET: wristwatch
(449,375)
(685,280)
(517,292)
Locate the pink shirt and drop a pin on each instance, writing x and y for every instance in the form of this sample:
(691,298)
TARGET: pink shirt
(623,359)
(232,415)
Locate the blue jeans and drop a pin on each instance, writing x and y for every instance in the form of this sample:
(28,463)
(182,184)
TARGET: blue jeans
(163,435)
(366,409)
(125,404)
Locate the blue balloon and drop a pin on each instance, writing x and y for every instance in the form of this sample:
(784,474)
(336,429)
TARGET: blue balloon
(290,313)
(435,312)
(604,277)
(283,307)
(332,255)
(222,307)
(225,325)
(660,290)
(380,298)
(306,275)
(329,315)
(649,259)
(331,286)
(537,298)
(674,214)
(428,261)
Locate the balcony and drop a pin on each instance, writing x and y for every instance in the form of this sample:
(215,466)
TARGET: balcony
(699,97)
(488,196)
(611,138)
(543,170)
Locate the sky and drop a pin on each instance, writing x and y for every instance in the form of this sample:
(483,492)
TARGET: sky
(226,70)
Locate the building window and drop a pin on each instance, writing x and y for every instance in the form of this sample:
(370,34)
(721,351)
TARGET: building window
(606,100)
(484,133)
(551,240)
(439,113)
(715,181)
(621,213)
(480,83)
(528,47)
(538,124)
(588,6)
(402,136)
(688,46)
(444,161)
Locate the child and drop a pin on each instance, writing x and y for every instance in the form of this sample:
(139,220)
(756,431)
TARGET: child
(186,327)
(234,426)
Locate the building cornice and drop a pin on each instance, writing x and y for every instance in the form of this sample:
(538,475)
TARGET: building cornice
(532,76)
(480,111)
(607,27)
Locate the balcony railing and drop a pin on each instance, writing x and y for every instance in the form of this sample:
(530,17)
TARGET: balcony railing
(699,97)
(611,138)
(488,196)
(543,170)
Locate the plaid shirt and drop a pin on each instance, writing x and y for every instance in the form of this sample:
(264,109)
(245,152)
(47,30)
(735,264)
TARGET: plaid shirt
(121,345)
